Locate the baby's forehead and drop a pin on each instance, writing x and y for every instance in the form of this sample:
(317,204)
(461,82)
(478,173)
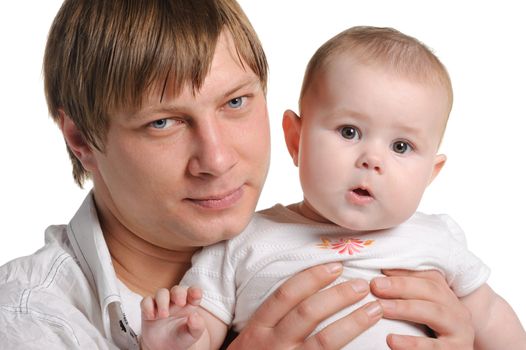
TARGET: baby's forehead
(359,91)
(357,74)
(418,68)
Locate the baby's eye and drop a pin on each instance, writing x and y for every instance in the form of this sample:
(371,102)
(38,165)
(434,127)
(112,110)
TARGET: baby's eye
(402,147)
(236,102)
(350,132)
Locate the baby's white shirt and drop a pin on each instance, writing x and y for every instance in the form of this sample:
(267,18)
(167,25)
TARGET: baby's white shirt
(238,275)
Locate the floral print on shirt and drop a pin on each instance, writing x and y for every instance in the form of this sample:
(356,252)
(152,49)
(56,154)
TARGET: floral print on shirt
(346,245)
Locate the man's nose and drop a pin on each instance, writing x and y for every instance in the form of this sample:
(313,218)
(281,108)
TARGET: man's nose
(214,152)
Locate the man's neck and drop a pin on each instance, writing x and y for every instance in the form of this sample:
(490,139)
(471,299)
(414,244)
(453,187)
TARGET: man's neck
(142,266)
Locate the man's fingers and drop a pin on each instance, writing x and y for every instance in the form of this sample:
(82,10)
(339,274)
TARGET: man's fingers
(424,297)
(435,316)
(293,292)
(351,326)
(408,342)
(288,317)
(429,274)
(411,287)
(306,316)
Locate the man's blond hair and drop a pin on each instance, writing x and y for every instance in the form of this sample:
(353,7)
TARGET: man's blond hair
(103,56)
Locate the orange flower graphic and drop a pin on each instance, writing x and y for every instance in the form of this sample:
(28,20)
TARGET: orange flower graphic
(346,245)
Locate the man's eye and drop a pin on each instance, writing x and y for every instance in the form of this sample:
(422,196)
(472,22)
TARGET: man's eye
(159,124)
(236,102)
(349,132)
(402,147)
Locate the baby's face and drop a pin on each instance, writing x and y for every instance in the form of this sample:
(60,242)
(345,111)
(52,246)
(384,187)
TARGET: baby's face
(368,144)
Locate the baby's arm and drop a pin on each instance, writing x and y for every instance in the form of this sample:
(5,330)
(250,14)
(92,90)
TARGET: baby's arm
(174,320)
(496,324)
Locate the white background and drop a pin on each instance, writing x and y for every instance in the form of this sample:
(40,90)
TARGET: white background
(482,185)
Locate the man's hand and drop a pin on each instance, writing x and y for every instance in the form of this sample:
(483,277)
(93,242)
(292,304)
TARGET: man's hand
(425,298)
(288,317)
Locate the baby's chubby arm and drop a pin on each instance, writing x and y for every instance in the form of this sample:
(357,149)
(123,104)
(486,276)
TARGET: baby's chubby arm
(496,324)
(172,319)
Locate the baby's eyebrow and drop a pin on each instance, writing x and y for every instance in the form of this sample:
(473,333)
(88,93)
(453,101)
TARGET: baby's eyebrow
(415,134)
(408,129)
(347,112)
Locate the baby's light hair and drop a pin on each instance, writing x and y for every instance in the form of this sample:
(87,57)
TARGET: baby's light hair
(385,47)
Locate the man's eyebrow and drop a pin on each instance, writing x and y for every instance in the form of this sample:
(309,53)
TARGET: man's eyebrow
(243,84)
(154,110)
(173,108)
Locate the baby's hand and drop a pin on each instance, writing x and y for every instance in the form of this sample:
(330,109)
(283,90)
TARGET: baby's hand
(170,320)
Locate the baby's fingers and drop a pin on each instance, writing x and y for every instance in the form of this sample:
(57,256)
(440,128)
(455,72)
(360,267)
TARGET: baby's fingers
(178,295)
(182,296)
(188,334)
(196,325)
(194,296)
(148,308)
(162,301)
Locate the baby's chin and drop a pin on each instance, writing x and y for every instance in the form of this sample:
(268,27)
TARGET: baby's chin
(365,224)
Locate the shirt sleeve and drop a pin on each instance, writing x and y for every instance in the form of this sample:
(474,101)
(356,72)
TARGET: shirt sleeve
(467,271)
(212,272)
(33,330)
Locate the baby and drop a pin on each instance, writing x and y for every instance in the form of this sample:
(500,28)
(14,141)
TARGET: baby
(373,108)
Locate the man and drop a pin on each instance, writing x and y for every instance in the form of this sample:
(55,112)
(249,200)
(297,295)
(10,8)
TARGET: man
(162,105)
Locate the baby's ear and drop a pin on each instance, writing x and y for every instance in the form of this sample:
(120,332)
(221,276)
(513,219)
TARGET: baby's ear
(440,160)
(292,129)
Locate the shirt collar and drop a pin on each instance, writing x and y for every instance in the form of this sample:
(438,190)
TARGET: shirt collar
(87,239)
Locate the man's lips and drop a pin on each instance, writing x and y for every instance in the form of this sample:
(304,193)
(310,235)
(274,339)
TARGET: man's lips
(219,201)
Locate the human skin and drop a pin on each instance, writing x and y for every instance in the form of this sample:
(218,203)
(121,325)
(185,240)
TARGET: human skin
(366,144)
(180,173)
(144,183)
(366,147)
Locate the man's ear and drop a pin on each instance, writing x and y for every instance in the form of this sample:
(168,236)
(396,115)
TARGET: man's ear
(76,142)
(291,129)
(440,160)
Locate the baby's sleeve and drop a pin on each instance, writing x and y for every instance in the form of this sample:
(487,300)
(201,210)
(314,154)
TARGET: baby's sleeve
(212,272)
(466,271)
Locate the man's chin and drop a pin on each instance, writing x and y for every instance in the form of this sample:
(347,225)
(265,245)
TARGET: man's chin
(219,226)
(228,232)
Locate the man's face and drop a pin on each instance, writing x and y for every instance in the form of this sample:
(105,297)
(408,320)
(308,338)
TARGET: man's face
(187,171)
(368,143)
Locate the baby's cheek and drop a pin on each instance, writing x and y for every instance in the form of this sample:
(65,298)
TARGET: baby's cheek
(405,200)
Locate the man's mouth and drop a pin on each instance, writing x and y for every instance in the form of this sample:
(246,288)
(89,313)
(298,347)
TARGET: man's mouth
(220,201)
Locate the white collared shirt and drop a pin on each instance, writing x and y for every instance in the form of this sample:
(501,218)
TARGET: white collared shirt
(66,295)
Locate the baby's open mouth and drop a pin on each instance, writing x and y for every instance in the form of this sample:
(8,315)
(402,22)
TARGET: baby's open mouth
(360,196)
(362,192)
